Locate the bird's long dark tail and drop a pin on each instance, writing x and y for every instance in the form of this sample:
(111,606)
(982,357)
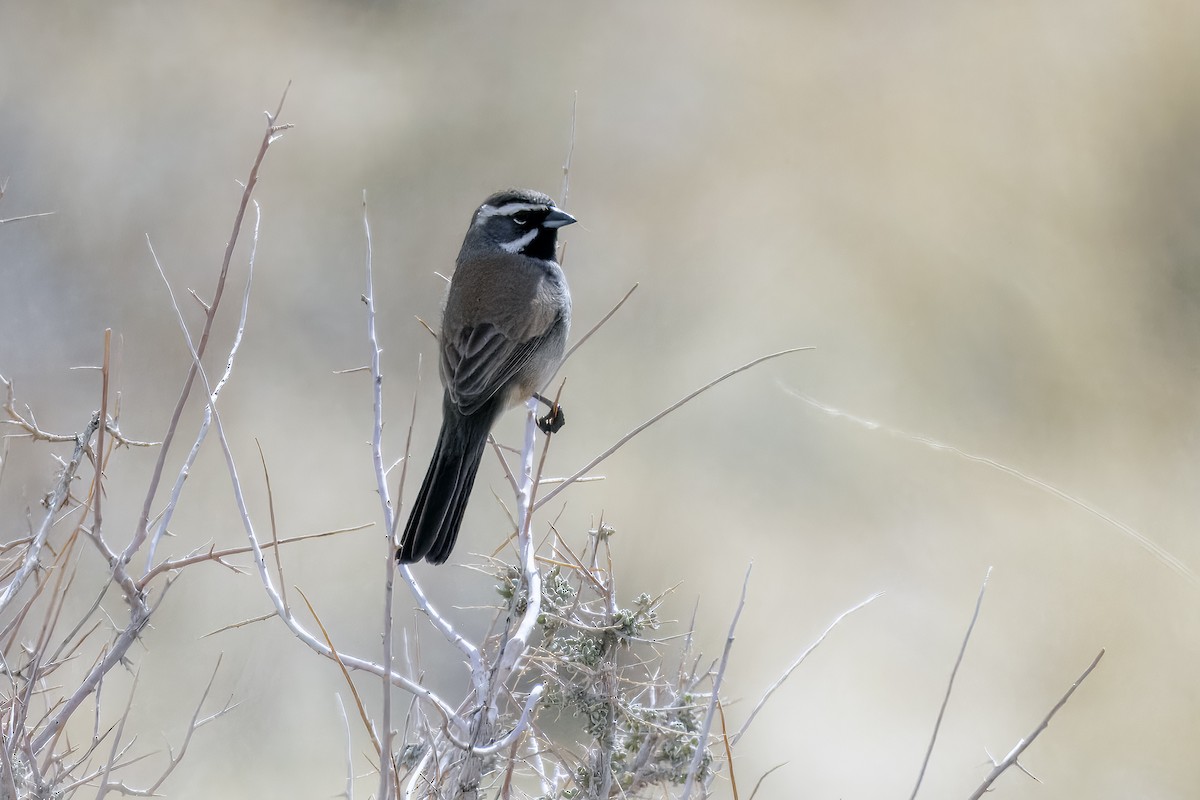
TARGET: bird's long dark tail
(438,510)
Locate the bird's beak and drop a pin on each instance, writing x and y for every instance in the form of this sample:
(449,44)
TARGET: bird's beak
(557,219)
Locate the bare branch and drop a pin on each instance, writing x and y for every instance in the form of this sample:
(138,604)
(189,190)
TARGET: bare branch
(362,711)
(33,431)
(1020,747)
(274,528)
(28,216)
(260,563)
(754,793)
(272,133)
(97,487)
(950,684)
(698,756)
(566,168)
(164,521)
(728,749)
(219,555)
(771,689)
(139,618)
(389,785)
(439,622)
(349,791)
(53,502)
(599,324)
(115,752)
(194,724)
(620,442)
(1142,540)
(509,739)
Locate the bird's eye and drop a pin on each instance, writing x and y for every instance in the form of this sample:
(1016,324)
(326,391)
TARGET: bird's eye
(523,218)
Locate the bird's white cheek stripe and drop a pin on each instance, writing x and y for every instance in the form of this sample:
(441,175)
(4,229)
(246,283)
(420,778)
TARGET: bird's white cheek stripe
(517,245)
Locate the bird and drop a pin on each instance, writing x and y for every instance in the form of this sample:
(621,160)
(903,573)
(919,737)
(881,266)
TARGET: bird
(503,334)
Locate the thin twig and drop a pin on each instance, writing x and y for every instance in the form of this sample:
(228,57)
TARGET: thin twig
(349,791)
(139,618)
(262,457)
(235,625)
(30,426)
(220,555)
(28,216)
(950,684)
(273,131)
(599,324)
(115,751)
(566,169)
(194,724)
(669,409)
(702,741)
(786,673)
(284,614)
(54,501)
(98,486)
(164,520)
(362,710)
(1020,747)
(530,574)
(388,779)
(1142,540)
(438,621)
(728,750)
(531,701)
(764,777)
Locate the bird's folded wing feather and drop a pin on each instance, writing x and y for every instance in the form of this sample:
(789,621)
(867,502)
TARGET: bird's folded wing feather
(479,362)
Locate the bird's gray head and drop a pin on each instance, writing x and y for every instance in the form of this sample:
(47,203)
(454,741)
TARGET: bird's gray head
(518,221)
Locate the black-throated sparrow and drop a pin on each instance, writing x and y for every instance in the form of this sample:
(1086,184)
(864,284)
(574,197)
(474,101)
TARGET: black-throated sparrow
(504,330)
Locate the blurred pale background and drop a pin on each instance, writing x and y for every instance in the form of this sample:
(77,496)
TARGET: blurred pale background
(984,218)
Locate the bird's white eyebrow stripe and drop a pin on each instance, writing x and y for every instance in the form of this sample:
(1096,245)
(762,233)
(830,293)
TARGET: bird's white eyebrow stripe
(508,209)
(517,245)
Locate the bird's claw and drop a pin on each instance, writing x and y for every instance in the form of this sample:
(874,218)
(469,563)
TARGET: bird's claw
(553,421)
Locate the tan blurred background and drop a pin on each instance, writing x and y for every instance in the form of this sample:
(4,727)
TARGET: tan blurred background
(984,218)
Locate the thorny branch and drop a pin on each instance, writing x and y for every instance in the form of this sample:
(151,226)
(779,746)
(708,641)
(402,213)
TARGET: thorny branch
(1020,747)
(36,746)
(273,132)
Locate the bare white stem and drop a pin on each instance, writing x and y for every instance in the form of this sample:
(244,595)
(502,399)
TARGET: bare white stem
(539,767)
(59,494)
(620,442)
(467,773)
(440,623)
(116,653)
(1020,747)
(260,563)
(702,743)
(386,773)
(115,750)
(160,527)
(507,740)
(519,642)
(389,514)
(1142,540)
(349,791)
(733,740)
(598,325)
(196,722)
(950,684)
(6,767)
(566,168)
(273,132)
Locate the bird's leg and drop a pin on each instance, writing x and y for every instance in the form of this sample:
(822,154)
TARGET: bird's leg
(554,419)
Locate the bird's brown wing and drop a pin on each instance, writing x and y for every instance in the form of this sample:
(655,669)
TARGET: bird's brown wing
(481,361)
